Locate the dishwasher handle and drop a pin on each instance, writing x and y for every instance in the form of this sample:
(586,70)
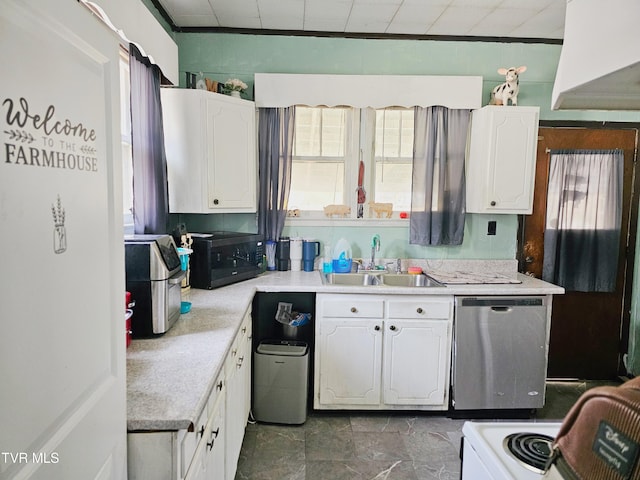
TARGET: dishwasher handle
(501,309)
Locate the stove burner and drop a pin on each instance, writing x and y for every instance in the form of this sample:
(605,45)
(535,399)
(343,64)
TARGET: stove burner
(532,450)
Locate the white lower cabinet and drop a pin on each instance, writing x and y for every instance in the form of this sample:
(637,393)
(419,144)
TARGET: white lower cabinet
(349,356)
(238,372)
(210,450)
(196,453)
(415,352)
(208,461)
(382,352)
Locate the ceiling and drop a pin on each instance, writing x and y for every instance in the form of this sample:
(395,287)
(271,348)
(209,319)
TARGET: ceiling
(522,19)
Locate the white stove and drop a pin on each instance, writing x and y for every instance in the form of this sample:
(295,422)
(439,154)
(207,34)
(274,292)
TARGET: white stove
(486,455)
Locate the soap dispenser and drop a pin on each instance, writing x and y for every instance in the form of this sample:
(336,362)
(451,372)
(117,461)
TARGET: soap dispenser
(342,257)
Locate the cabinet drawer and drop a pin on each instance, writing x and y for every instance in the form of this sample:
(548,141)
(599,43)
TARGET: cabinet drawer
(416,309)
(190,441)
(356,308)
(192,438)
(245,329)
(217,392)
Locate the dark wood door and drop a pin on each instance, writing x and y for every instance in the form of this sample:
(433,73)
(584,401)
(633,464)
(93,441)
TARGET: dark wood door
(589,331)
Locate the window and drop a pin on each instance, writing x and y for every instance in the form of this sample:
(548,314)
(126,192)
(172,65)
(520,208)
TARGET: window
(326,153)
(125,133)
(320,153)
(393,155)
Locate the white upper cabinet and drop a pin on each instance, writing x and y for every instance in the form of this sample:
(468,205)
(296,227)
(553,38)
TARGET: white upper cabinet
(501,159)
(210,142)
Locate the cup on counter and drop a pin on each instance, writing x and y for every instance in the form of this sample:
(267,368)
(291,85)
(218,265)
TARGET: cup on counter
(295,252)
(271,254)
(310,250)
(283,259)
(327,261)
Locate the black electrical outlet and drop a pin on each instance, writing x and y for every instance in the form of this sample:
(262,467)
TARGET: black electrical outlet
(491,227)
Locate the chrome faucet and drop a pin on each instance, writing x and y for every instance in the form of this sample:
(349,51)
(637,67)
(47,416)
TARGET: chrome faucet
(375,247)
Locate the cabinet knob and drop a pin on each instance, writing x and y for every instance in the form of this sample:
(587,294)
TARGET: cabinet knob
(393,328)
(493,203)
(244,329)
(219,386)
(240,360)
(377,328)
(419,310)
(201,431)
(354,309)
(216,201)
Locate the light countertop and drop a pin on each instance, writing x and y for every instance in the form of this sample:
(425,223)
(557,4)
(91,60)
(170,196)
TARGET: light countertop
(170,377)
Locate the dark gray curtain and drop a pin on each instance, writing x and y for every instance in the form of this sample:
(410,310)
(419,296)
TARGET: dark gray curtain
(150,196)
(275,147)
(584,213)
(438,180)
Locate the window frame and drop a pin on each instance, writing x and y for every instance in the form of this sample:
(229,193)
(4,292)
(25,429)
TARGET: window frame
(351,145)
(361,146)
(126,142)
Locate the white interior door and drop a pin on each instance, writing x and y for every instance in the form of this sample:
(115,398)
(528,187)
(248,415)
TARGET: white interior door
(62,347)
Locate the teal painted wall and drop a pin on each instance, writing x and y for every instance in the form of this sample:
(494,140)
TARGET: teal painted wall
(223,56)
(394,240)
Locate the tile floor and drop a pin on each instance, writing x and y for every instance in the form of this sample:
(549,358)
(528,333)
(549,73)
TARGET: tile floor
(372,446)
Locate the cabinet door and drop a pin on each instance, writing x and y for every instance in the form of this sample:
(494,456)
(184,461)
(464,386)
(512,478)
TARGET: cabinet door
(349,356)
(416,362)
(237,368)
(198,466)
(210,143)
(501,160)
(246,329)
(184,121)
(214,460)
(231,156)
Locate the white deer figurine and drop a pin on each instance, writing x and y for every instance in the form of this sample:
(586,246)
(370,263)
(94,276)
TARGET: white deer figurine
(501,94)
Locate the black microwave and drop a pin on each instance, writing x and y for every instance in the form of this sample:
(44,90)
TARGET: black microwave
(221,258)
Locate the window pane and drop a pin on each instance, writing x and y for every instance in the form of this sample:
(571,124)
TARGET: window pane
(393,185)
(319,132)
(406,135)
(125,135)
(394,133)
(394,157)
(307,132)
(333,134)
(316,184)
(318,169)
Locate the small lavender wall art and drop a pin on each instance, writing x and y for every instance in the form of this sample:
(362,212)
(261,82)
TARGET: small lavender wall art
(59,231)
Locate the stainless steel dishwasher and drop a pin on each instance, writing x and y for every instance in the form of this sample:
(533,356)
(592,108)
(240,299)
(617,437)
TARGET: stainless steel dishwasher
(500,353)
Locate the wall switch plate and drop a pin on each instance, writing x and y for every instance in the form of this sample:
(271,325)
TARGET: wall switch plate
(491,227)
